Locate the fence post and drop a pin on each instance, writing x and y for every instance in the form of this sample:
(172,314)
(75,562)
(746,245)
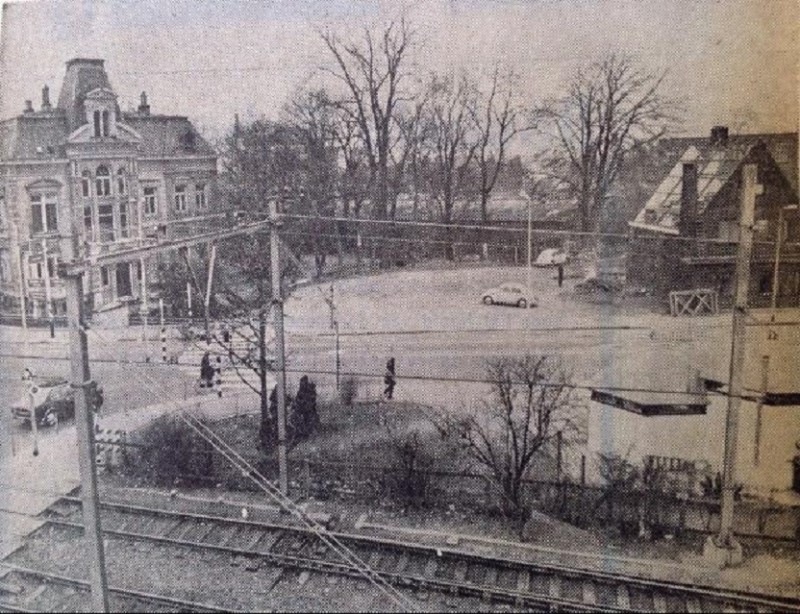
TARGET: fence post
(306,479)
(583,470)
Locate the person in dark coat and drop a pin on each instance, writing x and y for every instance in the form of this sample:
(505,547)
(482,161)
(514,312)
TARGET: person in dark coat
(206,372)
(389,379)
(560,275)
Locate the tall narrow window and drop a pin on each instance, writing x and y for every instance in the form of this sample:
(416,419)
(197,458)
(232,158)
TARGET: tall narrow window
(180,197)
(86,184)
(104,275)
(200,195)
(123,219)
(44,212)
(37,223)
(105,219)
(105,123)
(150,200)
(88,223)
(121,182)
(102,181)
(97,132)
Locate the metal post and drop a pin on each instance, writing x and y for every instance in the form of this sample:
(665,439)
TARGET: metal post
(34,424)
(163,330)
(277,310)
(776,266)
(338,357)
(760,405)
(48,291)
(530,246)
(207,302)
(189,298)
(84,426)
(145,312)
(750,189)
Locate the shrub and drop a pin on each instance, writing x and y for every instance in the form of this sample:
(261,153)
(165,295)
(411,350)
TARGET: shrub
(168,450)
(348,390)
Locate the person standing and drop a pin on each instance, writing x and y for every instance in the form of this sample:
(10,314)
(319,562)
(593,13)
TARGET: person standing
(206,372)
(389,379)
(560,275)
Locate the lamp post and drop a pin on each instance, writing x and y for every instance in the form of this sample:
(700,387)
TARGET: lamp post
(776,267)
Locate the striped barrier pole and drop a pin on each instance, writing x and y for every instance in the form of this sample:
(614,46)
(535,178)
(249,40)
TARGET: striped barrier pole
(218,376)
(163,331)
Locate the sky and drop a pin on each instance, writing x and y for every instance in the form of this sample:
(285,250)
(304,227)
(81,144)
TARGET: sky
(729,62)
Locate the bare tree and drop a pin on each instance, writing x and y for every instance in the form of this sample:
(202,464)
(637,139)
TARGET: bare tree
(498,118)
(610,108)
(372,71)
(530,404)
(453,144)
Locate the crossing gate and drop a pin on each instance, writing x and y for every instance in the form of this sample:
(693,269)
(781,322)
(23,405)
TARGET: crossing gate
(701,301)
(108,445)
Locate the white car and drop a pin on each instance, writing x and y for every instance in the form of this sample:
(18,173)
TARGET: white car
(509,294)
(551,257)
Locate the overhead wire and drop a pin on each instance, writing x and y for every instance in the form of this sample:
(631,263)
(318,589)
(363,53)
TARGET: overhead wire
(248,470)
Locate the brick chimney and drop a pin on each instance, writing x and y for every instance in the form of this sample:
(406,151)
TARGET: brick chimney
(28,107)
(719,135)
(688,222)
(46,106)
(144,108)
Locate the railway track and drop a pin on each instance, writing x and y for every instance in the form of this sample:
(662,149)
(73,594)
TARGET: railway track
(418,567)
(30,590)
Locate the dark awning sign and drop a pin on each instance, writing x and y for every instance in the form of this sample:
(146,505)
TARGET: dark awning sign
(684,405)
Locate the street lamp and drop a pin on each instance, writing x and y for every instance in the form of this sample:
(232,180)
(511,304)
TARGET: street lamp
(778,241)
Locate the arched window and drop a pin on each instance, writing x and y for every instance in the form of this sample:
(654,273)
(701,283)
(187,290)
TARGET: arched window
(105,123)
(102,181)
(121,182)
(97,126)
(86,184)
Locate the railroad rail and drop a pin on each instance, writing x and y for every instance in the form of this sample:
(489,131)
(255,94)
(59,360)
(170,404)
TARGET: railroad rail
(419,567)
(36,584)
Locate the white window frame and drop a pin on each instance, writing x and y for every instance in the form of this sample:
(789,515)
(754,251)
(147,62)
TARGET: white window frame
(102,182)
(150,201)
(180,197)
(44,200)
(200,198)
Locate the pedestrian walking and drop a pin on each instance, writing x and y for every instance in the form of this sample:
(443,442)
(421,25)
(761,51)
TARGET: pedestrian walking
(389,379)
(560,275)
(206,372)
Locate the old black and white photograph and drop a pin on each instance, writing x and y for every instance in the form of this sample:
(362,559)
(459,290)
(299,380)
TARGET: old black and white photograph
(400,306)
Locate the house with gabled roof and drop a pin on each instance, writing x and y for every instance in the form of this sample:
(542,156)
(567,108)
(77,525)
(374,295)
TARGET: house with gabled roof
(685,234)
(86,166)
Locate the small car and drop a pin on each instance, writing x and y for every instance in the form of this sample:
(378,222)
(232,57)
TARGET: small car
(517,295)
(551,257)
(53,401)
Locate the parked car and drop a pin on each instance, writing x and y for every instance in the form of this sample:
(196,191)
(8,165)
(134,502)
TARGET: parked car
(53,401)
(517,295)
(551,257)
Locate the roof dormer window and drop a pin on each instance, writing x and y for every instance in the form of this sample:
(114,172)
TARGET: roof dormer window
(97,125)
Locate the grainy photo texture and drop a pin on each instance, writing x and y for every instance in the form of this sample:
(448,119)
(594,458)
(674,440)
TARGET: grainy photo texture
(399,306)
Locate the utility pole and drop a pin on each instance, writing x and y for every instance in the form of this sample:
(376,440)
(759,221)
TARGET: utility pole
(724,549)
(335,326)
(207,303)
(277,310)
(48,290)
(85,428)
